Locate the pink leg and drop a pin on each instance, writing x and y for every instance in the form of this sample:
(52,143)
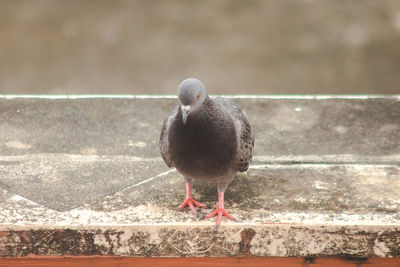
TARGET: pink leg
(219,210)
(189,201)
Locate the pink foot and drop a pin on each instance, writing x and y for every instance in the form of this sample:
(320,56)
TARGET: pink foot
(219,211)
(189,201)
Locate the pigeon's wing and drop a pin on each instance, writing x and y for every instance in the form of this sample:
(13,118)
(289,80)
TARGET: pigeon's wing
(243,131)
(164,143)
(246,145)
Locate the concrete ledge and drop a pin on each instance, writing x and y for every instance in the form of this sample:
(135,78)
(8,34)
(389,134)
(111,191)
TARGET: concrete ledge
(83,176)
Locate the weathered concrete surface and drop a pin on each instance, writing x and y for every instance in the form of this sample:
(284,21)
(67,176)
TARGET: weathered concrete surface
(84,177)
(176,241)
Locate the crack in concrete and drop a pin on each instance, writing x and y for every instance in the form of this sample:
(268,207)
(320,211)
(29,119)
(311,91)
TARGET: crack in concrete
(148,180)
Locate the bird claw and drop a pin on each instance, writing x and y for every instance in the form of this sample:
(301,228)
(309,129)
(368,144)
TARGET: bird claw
(219,212)
(191,203)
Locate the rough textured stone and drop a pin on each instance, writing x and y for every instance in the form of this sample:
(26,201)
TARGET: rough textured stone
(177,241)
(84,177)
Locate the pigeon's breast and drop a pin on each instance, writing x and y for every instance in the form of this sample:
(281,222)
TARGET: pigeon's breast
(203,148)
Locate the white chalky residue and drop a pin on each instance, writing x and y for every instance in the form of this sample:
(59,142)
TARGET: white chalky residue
(18,198)
(18,144)
(300,200)
(380,249)
(341,129)
(320,185)
(101,241)
(136,144)
(124,248)
(29,214)
(189,246)
(143,124)
(270,243)
(89,151)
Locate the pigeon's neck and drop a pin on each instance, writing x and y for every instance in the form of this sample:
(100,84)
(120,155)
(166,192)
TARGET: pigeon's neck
(208,102)
(207,110)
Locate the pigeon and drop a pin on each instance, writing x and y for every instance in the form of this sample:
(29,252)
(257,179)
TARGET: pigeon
(207,139)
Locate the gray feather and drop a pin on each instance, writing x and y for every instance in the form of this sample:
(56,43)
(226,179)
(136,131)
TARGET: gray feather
(243,132)
(164,143)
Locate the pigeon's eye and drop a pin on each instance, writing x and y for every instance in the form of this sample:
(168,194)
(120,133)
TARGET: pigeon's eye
(198,96)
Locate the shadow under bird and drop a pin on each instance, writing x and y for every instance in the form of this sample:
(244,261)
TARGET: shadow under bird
(208,139)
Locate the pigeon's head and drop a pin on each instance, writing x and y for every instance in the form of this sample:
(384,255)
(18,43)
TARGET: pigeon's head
(191,93)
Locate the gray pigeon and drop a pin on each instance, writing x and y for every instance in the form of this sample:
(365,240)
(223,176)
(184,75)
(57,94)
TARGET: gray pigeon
(208,139)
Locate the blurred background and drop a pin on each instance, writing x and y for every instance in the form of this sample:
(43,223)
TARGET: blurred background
(251,47)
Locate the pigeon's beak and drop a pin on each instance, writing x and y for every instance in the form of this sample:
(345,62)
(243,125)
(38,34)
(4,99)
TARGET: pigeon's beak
(185,112)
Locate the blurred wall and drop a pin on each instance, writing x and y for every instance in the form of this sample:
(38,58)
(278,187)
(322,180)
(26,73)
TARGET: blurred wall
(263,47)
